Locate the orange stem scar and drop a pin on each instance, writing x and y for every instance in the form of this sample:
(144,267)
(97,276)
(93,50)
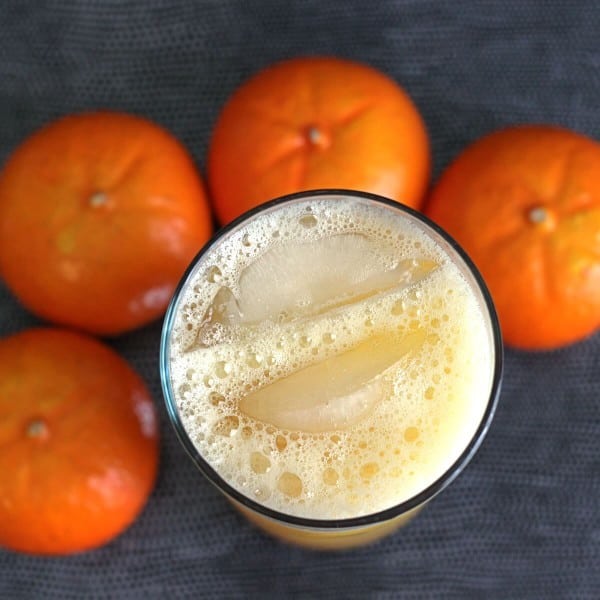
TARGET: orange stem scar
(38,429)
(98,199)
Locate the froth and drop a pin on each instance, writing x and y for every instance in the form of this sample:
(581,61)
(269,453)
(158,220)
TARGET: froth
(329,360)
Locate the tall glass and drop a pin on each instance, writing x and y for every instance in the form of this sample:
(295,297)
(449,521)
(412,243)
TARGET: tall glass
(347,530)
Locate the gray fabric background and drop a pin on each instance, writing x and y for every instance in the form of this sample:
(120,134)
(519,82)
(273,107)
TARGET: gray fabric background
(523,520)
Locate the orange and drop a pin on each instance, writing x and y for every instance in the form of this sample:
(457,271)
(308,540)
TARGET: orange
(78,442)
(524,202)
(311,123)
(100,214)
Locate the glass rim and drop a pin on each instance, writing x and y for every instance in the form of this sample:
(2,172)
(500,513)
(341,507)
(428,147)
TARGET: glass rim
(349,522)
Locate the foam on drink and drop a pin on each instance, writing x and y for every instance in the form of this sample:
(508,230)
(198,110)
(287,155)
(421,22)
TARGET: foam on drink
(329,360)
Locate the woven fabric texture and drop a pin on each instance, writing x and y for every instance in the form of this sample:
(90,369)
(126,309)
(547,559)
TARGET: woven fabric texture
(523,520)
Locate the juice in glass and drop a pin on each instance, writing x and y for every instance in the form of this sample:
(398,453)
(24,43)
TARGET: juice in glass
(331,361)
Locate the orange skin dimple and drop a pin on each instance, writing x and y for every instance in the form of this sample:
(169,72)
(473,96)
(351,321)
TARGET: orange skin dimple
(100,214)
(78,442)
(524,202)
(311,123)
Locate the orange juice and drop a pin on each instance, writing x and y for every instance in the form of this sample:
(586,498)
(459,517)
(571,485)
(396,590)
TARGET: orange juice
(329,359)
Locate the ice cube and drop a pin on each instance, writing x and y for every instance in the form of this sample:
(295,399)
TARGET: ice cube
(222,313)
(298,280)
(303,278)
(336,393)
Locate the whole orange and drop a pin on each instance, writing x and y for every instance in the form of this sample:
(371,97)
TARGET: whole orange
(524,202)
(100,214)
(78,442)
(311,123)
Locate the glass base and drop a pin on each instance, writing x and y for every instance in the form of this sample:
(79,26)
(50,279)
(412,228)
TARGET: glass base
(326,539)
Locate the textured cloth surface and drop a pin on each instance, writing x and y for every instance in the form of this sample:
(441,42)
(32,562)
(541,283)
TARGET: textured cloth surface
(523,520)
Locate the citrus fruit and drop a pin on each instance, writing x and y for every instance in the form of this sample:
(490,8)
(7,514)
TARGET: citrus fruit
(100,213)
(78,442)
(310,123)
(524,202)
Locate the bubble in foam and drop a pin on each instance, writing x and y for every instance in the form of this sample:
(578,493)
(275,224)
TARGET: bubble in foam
(262,493)
(330,476)
(290,484)
(305,341)
(259,463)
(214,274)
(215,398)
(308,221)
(329,337)
(184,390)
(227,426)
(222,369)
(411,434)
(254,360)
(432,338)
(369,470)
(399,307)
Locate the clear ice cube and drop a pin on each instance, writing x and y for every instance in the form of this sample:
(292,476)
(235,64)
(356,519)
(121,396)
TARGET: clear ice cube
(296,280)
(301,278)
(221,315)
(336,393)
